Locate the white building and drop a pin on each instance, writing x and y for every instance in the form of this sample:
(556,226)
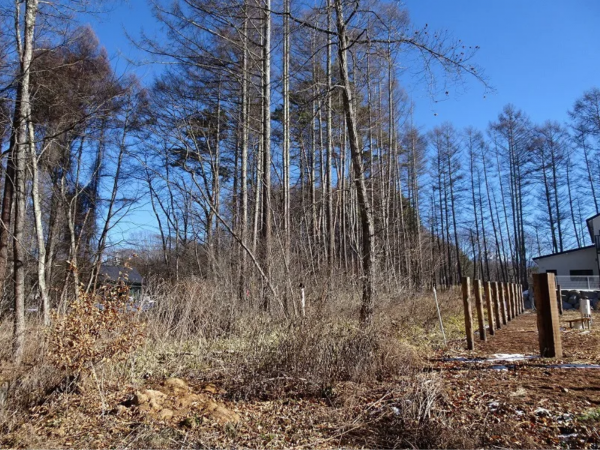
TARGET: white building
(578,268)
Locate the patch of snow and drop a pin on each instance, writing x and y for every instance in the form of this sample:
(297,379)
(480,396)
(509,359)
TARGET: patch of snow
(493,405)
(573,366)
(568,436)
(460,359)
(566,417)
(509,357)
(542,412)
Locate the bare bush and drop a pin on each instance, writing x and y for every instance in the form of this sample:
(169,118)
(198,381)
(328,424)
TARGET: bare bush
(195,309)
(97,328)
(327,352)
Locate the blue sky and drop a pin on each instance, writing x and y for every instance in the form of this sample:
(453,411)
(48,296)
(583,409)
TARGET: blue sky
(539,55)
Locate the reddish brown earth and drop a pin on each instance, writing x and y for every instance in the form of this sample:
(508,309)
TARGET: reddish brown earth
(528,403)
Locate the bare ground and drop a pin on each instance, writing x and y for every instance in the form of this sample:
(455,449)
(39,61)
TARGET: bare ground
(528,403)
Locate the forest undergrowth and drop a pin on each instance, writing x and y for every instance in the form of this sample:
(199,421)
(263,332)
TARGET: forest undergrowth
(320,381)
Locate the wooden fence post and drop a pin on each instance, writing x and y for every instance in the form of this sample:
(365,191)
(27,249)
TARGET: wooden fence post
(509,301)
(489,305)
(559,299)
(521,301)
(496,300)
(515,299)
(502,291)
(466,293)
(479,306)
(547,315)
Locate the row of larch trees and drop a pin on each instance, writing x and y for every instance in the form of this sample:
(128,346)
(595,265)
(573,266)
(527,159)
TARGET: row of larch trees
(280,150)
(514,191)
(275,148)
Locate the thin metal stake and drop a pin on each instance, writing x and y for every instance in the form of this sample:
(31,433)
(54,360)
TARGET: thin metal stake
(437,305)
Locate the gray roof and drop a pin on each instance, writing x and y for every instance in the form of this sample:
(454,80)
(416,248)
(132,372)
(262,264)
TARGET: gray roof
(114,273)
(563,252)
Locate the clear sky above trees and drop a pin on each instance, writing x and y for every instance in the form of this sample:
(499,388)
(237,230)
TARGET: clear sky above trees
(538,54)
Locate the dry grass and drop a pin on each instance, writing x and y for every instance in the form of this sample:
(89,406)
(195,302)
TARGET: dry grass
(366,384)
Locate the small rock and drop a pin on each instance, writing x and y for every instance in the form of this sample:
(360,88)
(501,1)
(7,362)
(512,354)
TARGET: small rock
(566,417)
(567,436)
(165,414)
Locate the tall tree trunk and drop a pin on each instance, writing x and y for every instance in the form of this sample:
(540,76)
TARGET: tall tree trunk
(589,170)
(554,165)
(569,167)
(286,138)
(109,214)
(366,214)
(20,156)
(244,159)
(266,136)
(486,254)
(548,197)
(39,227)
(328,160)
(7,198)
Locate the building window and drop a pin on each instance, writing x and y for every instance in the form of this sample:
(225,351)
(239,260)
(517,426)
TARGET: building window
(580,274)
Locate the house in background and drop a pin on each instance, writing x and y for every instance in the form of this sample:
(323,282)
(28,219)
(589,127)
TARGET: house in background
(578,268)
(110,274)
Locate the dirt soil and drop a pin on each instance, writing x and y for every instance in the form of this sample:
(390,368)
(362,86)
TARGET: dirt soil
(528,403)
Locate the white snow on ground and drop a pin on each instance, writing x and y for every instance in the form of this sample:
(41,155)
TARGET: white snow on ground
(509,357)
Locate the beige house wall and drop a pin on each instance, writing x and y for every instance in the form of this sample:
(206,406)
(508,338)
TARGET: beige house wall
(563,263)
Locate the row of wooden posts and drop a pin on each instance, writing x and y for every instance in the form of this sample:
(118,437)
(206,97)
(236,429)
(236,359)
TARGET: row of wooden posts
(504,302)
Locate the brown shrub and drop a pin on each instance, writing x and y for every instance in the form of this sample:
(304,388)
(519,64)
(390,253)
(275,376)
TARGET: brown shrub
(310,357)
(98,327)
